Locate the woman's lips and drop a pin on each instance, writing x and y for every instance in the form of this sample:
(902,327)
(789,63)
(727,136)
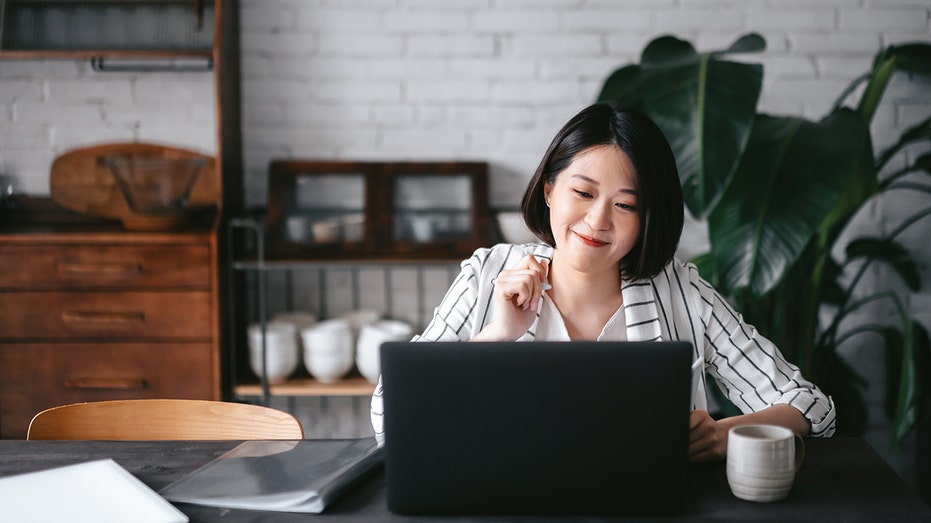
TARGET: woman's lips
(591,242)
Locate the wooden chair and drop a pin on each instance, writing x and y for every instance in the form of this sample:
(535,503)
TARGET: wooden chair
(163,419)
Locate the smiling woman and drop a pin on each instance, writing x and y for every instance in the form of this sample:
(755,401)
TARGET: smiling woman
(607,205)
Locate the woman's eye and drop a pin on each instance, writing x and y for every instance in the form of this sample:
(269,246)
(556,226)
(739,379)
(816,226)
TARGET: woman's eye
(583,194)
(627,207)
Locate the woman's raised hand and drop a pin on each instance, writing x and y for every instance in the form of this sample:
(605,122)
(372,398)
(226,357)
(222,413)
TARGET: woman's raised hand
(516,298)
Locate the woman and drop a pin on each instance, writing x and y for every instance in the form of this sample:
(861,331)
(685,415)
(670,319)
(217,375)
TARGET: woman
(607,204)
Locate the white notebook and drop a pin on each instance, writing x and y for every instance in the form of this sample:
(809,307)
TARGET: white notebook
(94,492)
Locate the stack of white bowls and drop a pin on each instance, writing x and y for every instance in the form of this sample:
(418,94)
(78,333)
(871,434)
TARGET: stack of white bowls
(368,358)
(281,350)
(328,349)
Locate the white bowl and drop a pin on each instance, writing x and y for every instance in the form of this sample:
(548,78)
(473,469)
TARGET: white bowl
(368,358)
(512,227)
(281,350)
(328,349)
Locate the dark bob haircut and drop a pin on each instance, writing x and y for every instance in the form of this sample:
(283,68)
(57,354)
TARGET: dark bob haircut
(659,196)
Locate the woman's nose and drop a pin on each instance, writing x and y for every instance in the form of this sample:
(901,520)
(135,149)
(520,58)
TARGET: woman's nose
(598,217)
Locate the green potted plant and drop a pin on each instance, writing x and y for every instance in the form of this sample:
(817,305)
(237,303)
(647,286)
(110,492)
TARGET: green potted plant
(777,193)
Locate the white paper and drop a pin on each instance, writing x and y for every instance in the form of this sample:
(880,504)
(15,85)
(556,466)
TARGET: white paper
(96,491)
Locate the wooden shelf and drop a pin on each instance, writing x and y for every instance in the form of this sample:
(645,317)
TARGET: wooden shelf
(352,386)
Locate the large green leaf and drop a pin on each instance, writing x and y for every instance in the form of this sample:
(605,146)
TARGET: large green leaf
(909,58)
(792,174)
(705,106)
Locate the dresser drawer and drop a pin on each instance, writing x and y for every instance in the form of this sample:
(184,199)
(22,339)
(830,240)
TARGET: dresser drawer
(105,315)
(34,377)
(36,267)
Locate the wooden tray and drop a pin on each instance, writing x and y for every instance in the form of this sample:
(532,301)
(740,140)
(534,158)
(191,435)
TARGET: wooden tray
(79,182)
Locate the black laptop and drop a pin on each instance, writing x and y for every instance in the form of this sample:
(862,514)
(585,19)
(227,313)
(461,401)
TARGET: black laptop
(583,428)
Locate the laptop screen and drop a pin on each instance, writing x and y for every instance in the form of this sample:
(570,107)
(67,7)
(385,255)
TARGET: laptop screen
(536,427)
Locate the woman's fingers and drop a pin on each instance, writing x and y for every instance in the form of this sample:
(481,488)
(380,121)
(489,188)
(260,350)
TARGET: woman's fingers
(523,285)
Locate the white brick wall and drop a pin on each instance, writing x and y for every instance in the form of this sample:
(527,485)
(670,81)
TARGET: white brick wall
(458,79)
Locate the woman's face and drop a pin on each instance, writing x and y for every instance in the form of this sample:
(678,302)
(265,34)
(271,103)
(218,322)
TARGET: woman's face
(593,209)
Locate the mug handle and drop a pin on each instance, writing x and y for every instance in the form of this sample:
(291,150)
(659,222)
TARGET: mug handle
(799,451)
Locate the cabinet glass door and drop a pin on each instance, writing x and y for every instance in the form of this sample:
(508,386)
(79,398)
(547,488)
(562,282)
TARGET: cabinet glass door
(432,208)
(327,208)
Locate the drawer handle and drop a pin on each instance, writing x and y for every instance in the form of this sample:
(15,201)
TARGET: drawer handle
(72,268)
(106,383)
(104,317)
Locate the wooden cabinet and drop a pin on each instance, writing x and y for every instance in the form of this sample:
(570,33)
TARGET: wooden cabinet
(91,311)
(337,210)
(94,312)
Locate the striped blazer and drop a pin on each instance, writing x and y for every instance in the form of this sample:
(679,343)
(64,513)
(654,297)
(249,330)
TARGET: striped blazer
(676,305)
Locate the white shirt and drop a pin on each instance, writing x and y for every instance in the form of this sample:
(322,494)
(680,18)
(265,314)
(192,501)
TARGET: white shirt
(675,305)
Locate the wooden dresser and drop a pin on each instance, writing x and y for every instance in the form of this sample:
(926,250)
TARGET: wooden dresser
(90,311)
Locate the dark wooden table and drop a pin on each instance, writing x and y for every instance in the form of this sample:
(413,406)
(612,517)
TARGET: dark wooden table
(842,479)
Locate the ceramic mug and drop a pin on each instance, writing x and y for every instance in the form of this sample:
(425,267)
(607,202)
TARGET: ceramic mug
(762,461)
(328,350)
(281,350)
(368,359)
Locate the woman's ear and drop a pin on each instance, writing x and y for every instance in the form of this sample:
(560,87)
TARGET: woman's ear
(547,190)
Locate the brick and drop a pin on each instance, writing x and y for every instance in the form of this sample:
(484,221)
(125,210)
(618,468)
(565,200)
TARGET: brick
(536,92)
(380,91)
(626,4)
(538,4)
(266,18)
(613,21)
(674,21)
(628,44)
(23,135)
(565,45)
(187,89)
(483,140)
(423,139)
(491,68)
(776,67)
(898,19)
(337,20)
(25,90)
(793,20)
(448,4)
(362,68)
(473,116)
(260,112)
(301,138)
(67,136)
(89,91)
(426,21)
(187,137)
(277,44)
(50,113)
(844,67)
(451,46)
(278,90)
(579,68)
(512,22)
(343,45)
(454,91)
(835,44)
(393,115)
(717,5)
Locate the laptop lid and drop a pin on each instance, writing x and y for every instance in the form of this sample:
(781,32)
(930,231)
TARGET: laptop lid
(536,427)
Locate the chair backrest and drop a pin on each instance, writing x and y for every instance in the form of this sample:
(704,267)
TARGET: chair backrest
(163,419)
